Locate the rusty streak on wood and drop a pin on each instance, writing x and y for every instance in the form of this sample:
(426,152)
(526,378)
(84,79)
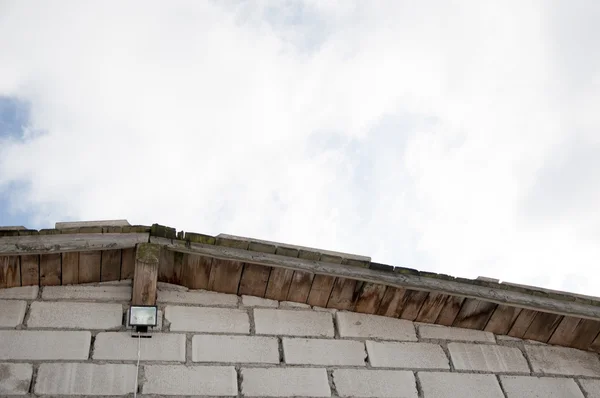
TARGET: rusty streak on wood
(450,310)
(254,280)
(195,271)
(110,269)
(279,284)
(502,319)
(30,270)
(50,269)
(542,326)
(127,263)
(89,266)
(432,306)
(369,298)
(522,323)
(70,268)
(225,276)
(59,243)
(474,314)
(145,276)
(10,271)
(392,302)
(414,300)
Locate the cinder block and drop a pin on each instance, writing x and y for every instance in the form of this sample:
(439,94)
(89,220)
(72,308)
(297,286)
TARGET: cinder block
(293,304)
(375,383)
(84,379)
(120,346)
(439,332)
(235,349)
(542,387)
(193,380)
(197,297)
(487,358)
(12,312)
(407,355)
(207,320)
(285,382)
(253,301)
(83,292)
(374,326)
(293,323)
(44,345)
(54,314)
(323,352)
(591,387)
(453,385)
(15,378)
(20,293)
(563,361)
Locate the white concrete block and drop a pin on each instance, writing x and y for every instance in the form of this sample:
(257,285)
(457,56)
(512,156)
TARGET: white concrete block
(454,385)
(539,387)
(563,361)
(293,323)
(235,349)
(322,309)
(487,358)
(192,380)
(324,352)
(62,314)
(207,320)
(407,355)
(285,382)
(197,297)
(120,346)
(374,326)
(84,379)
(44,344)
(253,301)
(375,383)
(293,304)
(83,292)
(12,313)
(439,332)
(20,293)
(591,387)
(15,378)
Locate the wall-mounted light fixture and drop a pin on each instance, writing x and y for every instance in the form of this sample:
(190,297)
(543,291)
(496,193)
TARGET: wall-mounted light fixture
(142,316)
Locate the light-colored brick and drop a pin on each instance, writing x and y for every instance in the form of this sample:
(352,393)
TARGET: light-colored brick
(591,387)
(323,352)
(374,326)
(193,380)
(563,361)
(84,379)
(44,344)
(20,293)
(120,346)
(293,304)
(539,387)
(15,378)
(407,355)
(454,385)
(322,309)
(293,323)
(487,358)
(12,312)
(54,314)
(207,320)
(82,292)
(439,332)
(285,382)
(375,383)
(197,297)
(235,349)
(253,301)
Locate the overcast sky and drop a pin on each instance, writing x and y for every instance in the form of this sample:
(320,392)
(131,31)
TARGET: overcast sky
(460,137)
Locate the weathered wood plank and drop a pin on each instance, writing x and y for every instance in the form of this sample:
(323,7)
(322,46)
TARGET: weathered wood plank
(595,346)
(487,291)
(225,276)
(254,280)
(177,268)
(343,294)
(41,244)
(522,323)
(195,272)
(30,270)
(279,284)
(110,269)
(50,269)
(542,327)
(320,290)
(89,266)
(145,277)
(127,263)
(575,332)
(502,319)
(414,300)
(70,268)
(166,266)
(474,314)
(10,271)
(432,307)
(565,332)
(369,298)
(300,286)
(450,310)
(392,302)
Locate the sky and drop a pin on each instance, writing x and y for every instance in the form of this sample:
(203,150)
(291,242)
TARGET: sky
(453,137)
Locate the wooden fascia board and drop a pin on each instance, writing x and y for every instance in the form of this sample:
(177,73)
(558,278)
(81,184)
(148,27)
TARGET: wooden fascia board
(43,244)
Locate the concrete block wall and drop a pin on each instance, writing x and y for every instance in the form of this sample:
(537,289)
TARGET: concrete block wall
(73,341)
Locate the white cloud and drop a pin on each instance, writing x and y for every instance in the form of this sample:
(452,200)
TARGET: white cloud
(440,137)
